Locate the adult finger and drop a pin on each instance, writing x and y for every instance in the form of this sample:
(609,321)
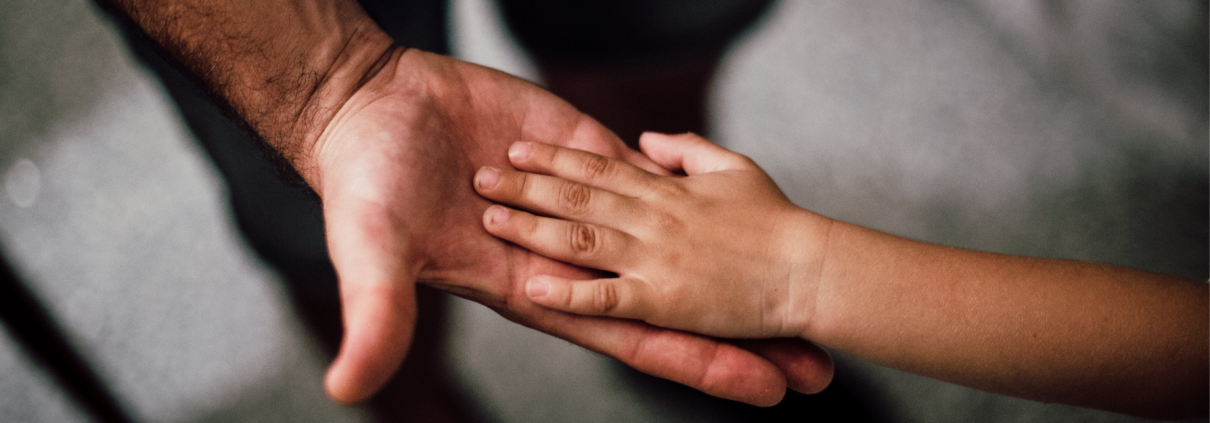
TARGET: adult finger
(581,166)
(593,137)
(582,244)
(691,153)
(708,365)
(552,196)
(808,367)
(622,297)
(378,299)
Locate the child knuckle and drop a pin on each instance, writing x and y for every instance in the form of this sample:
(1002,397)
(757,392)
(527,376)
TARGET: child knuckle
(597,167)
(604,298)
(574,198)
(584,239)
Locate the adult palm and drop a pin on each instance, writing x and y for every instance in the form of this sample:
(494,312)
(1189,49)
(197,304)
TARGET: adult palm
(394,170)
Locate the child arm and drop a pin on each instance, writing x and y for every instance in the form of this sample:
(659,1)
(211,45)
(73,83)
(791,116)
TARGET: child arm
(722,252)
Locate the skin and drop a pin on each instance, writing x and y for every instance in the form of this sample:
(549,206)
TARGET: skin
(389,137)
(722,252)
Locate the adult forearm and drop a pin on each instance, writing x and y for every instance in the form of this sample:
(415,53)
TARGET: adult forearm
(283,66)
(1052,330)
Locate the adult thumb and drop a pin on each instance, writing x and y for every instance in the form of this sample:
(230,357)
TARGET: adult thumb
(378,300)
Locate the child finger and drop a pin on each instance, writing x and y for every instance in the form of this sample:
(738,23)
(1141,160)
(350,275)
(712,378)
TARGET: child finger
(622,297)
(556,197)
(581,166)
(582,244)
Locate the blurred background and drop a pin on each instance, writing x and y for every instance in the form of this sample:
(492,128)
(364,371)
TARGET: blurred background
(1073,129)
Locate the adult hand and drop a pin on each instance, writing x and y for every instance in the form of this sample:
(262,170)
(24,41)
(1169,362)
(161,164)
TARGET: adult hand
(394,168)
(390,140)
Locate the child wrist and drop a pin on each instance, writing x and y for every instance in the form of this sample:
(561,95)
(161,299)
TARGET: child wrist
(808,235)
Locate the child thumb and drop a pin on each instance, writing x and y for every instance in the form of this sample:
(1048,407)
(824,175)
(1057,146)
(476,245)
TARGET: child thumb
(691,153)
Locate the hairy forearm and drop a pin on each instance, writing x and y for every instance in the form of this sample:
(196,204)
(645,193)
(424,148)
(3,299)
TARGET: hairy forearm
(1052,330)
(283,66)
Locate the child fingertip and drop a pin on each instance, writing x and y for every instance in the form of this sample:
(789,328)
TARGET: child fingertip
(537,288)
(496,215)
(520,150)
(487,177)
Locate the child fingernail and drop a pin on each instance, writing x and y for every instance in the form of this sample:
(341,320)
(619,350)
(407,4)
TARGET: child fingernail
(487,177)
(537,289)
(497,215)
(520,150)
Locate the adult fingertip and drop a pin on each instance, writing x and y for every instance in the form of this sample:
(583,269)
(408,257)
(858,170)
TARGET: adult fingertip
(819,381)
(808,371)
(771,398)
(807,367)
(339,388)
(356,375)
(362,366)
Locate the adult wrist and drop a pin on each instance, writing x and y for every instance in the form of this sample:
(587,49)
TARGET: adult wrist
(282,66)
(350,58)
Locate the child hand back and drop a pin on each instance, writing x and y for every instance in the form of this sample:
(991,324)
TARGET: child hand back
(722,252)
(719,252)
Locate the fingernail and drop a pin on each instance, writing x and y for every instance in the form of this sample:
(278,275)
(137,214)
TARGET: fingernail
(487,177)
(520,150)
(497,215)
(536,289)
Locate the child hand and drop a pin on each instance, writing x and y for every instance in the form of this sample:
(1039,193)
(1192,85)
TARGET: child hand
(720,252)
